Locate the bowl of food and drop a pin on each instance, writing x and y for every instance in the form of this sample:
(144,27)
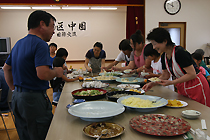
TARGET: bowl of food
(115,95)
(89,93)
(191,114)
(113,73)
(94,84)
(142,103)
(95,129)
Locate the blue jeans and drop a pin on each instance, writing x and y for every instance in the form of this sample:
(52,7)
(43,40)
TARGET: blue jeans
(56,96)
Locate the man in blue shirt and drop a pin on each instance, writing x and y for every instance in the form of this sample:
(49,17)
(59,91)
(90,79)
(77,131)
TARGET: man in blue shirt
(27,73)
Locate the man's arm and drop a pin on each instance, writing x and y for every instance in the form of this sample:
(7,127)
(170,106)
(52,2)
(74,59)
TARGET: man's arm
(45,73)
(8,76)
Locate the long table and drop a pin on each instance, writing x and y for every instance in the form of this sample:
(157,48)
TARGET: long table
(64,126)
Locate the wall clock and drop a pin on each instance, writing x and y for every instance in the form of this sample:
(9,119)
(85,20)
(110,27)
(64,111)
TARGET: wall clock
(172,7)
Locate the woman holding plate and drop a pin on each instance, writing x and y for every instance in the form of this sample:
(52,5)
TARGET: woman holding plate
(178,62)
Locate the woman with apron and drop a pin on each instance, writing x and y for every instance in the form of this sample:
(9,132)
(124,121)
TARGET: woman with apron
(178,62)
(95,58)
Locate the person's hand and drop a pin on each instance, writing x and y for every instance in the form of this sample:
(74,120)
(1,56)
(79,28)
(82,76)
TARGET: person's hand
(76,78)
(165,82)
(59,71)
(150,75)
(133,71)
(148,86)
(103,68)
(89,69)
(116,68)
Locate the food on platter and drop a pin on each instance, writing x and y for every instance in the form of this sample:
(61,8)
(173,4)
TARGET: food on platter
(137,102)
(135,90)
(112,73)
(154,79)
(127,80)
(105,78)
(174,103)
(94,84)
(89,93)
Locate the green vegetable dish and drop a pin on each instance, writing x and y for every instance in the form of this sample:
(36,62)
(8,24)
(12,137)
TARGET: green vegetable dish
(89,93)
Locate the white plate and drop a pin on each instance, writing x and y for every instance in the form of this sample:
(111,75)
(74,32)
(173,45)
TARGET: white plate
(183,102)
(127,71)
(128,86)
(162,102)
(191,114)
(130,80)
(96,110)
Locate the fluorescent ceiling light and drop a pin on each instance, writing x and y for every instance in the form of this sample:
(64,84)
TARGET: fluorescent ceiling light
(104,8)
(15,7)
(75,8)
(46,8)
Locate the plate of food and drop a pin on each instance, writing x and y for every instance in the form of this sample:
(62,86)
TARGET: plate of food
(89,93)
(130,80)
(94,84)
(94,130)
(159,125)
(115,95)
(142,103)
(128,86)
(88,79)
(176,103)
(114,73)
(154,79)
(96,110)
(140,91)
(127,71)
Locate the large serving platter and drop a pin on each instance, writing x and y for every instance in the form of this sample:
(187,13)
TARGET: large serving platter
(106,79)
(160,103)
(94,130)
(96,110)
(95,97)
(130,80)
(115,95)
(159,125)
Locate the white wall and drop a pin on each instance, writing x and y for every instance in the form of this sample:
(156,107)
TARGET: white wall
(194,12)
(108,27)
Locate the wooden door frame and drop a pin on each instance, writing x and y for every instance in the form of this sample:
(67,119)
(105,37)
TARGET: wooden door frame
(184,23)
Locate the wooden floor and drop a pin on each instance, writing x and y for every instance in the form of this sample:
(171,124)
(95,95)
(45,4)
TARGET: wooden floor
(10,125)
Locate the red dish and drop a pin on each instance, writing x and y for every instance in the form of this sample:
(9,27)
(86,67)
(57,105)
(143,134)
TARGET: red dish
(160,125)
(95,97)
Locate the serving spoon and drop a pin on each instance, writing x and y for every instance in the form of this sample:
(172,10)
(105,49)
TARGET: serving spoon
(156,100)
(103,133)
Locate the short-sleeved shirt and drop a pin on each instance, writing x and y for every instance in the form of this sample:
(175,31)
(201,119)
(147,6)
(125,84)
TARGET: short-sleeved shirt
(27,54)
(183,58)
(90,54)
(121,56)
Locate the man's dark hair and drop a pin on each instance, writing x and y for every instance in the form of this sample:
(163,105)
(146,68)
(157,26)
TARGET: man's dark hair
(98,44)
(37,16)
(58,62)
(61,52)
(53,44)
(125,45)
(149,51)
